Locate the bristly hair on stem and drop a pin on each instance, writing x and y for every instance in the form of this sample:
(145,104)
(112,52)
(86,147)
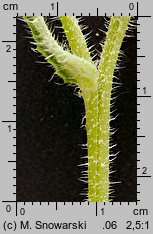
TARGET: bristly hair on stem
(95,84)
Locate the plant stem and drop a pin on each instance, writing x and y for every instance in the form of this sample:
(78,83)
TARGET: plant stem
(75,37)
(95,85)
(98,146)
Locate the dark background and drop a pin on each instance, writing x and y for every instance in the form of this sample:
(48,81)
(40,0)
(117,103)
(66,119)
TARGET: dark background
(49,117)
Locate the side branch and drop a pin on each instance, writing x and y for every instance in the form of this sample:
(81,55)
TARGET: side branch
(75,37)
(70,67)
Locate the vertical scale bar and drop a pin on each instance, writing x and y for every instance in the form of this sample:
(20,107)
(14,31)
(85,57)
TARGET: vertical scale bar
(15,115)
(137,111)
(14,105)
(137,100)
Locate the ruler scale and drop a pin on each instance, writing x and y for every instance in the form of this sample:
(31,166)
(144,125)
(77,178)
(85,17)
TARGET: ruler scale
(83,217)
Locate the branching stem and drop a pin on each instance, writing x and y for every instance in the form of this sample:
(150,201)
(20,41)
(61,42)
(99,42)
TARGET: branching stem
(94,83)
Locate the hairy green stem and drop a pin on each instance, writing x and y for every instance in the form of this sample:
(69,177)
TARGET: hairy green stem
(75,37)
(95,84)
(99,187)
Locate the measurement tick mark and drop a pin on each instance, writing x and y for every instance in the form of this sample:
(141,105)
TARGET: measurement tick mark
(9,41)
(148,96)
(9,121)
